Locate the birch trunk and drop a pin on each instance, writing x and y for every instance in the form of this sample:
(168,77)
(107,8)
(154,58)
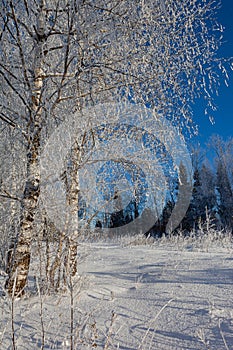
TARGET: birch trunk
(66,252)
(18,264)
(72,202)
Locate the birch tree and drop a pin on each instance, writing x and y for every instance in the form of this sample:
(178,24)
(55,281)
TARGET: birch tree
(61,55)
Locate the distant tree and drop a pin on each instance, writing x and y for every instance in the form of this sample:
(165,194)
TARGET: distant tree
(117,216)
(203,199)
(225,207)
(98,224)
(159,228)
(209,200)
(212,189)
(224,184)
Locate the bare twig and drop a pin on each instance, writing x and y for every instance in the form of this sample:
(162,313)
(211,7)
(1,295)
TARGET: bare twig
(41,315)
(222,335)
(151,323)
(110,331)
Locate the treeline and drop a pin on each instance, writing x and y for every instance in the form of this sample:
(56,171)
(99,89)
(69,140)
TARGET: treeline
(212,187)
(212,195)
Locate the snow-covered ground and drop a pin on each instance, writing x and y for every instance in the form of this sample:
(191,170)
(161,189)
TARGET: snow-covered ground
(127,296)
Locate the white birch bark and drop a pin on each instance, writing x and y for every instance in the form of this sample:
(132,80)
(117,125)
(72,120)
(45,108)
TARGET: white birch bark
(18,266)
(66,254)
(72,201)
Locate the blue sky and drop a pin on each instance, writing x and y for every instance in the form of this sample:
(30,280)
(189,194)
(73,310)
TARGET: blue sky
(224,115)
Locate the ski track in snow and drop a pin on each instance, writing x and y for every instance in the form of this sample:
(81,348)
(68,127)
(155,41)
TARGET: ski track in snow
(162,299)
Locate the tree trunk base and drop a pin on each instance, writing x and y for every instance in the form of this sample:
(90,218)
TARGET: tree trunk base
(18,273)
